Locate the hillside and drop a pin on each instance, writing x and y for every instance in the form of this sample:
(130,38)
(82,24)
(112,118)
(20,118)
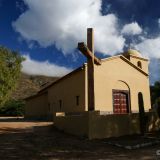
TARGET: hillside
(29,85)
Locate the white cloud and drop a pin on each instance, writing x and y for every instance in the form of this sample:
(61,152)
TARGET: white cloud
(149,47)
(132,29)
(64,23)
(33,67)
(154,70)
(159,22)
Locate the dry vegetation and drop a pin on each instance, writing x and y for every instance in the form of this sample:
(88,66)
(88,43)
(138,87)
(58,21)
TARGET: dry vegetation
(29,85)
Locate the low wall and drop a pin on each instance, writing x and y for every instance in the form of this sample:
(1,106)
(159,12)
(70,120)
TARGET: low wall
(73,124)
(105,126)
(93,125)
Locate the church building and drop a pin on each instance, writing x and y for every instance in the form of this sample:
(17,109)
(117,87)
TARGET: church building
(111,86)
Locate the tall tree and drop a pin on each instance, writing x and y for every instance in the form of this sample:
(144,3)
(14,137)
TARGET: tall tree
(10,68)
(155,92)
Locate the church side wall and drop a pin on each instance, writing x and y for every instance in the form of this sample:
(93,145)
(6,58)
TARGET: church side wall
(68,95)
(37,107)
(117,74)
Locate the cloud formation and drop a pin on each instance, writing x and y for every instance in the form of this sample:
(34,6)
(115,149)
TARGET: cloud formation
(159,22)
(63,24)
(149,47)
(33,67)
(132,29)
(154,70)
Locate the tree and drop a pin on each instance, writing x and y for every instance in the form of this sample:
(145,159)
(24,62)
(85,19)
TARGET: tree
(10,68)
(155,92)
(158,105)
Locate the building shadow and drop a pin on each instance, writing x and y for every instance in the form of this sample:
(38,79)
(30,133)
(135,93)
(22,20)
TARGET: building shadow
(46,143)
(21,119)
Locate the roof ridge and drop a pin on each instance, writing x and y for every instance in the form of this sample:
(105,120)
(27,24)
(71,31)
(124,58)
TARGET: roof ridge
(130,63)
(110,58)
(62,78)
(127,61)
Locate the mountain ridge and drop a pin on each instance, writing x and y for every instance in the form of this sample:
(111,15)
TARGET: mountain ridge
(29,85)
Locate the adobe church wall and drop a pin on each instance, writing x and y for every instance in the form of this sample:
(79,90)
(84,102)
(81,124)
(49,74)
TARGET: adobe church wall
(144,63)
(69,95)
(117,74)
(37,107)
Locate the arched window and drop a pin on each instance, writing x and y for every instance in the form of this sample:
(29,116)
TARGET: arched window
(139,64)
(77,100)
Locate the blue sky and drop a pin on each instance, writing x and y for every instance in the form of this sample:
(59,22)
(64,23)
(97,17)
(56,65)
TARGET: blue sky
(47,33)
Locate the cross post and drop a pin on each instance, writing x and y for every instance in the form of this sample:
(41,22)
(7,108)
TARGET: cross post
(88,51)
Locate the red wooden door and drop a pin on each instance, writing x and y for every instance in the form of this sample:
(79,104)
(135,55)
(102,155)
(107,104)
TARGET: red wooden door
(120,102)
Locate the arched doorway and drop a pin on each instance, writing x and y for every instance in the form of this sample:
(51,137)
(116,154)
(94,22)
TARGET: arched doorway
(120,102)
(121,97)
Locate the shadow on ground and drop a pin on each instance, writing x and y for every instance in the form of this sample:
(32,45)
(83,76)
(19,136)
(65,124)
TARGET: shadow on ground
(18,119)
(42,141)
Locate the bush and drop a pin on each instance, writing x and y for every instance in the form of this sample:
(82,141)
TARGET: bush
(12,108)
(158,105)
(155,92)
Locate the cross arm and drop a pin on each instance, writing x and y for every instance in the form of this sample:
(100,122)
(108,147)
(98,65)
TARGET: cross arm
(84,49)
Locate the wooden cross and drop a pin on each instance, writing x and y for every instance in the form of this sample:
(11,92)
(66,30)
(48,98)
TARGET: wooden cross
(88,51)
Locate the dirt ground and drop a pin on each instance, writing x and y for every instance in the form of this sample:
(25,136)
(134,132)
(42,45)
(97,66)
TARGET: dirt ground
(28,140)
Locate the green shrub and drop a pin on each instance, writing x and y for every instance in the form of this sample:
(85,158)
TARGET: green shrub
(12,108)
(155,92)
(158,105)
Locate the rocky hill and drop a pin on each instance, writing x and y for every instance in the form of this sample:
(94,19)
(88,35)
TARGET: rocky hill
(29,85)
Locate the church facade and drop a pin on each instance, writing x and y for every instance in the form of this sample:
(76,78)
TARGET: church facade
(118,82)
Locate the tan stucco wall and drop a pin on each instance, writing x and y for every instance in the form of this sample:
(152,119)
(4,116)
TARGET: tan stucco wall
(37,107)
(93,125)
(105,126)
(143,62)
(120,125)
(76,125)
(67,90)
(117,74)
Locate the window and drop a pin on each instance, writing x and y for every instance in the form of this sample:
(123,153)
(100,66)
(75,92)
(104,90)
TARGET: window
(139,64)
(77,100)
(49,106)
(60,104)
